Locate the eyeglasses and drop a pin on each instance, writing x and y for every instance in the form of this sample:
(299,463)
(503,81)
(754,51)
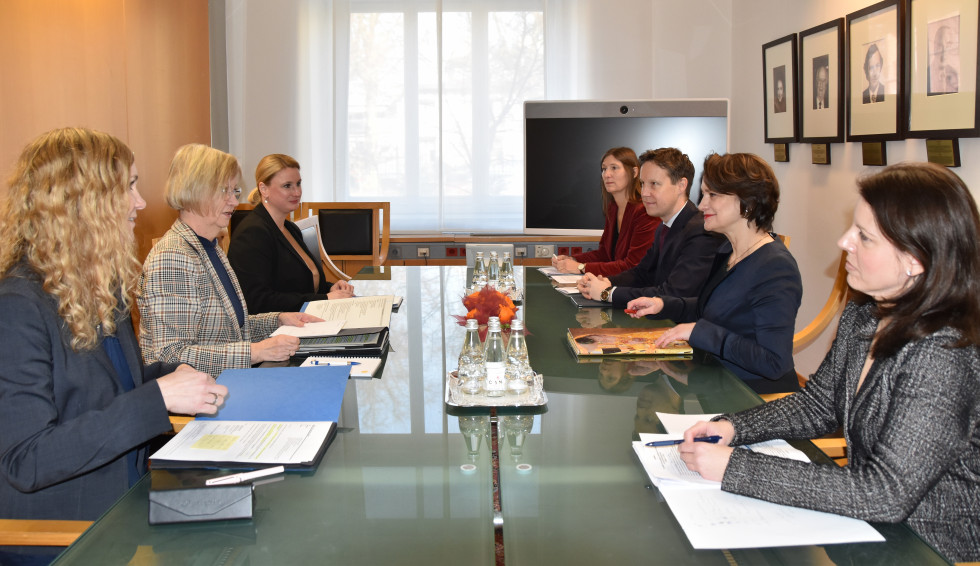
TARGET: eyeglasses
(237,191)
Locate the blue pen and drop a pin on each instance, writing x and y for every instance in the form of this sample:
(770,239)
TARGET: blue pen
(317,362)
(711,439)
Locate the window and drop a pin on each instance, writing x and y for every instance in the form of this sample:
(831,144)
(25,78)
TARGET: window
(436,126)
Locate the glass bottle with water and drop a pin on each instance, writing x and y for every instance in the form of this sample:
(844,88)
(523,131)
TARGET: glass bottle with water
(471,371)
(518,369)
(479,269)
(507,273)
(495,383)
(493,271)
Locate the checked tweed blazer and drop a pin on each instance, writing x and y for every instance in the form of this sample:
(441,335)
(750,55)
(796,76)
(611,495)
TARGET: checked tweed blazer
(185,314)
(912,431)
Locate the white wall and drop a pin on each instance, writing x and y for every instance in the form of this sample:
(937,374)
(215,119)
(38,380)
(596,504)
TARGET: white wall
(817,200)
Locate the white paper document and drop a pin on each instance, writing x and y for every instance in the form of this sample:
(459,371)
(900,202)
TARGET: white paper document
(712,518)
(569,290)
(566,279)
(359,367)
(549,271)
(356,312)
(310,329)
(249,442)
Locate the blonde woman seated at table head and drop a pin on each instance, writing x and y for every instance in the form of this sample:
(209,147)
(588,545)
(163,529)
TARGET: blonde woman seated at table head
(191,306)
(902,377)
(628,231)
(77,405)
(274,267)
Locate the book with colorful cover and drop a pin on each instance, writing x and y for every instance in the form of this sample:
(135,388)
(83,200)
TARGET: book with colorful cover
(623,342)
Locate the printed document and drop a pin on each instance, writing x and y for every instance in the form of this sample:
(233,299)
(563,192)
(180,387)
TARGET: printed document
(247,442)
(356,312)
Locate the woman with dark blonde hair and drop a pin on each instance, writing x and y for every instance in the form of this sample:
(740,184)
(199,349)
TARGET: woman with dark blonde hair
(191,307)
(902,377)
(77,405)
(628,232)
(745,315)
(275,269)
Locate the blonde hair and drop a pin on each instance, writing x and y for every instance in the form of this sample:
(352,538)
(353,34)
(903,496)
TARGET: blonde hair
(267,168)
(198,173)
(66,216)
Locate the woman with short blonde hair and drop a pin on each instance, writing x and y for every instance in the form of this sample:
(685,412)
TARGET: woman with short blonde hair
(191,306)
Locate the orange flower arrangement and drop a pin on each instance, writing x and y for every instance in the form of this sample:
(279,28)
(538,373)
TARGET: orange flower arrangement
(481,305)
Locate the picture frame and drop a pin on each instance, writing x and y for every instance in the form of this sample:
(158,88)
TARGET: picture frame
(780,113)
(875,76)
(821,85)
(944,61)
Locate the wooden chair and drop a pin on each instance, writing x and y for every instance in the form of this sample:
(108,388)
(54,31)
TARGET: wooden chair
(38,532)
(353,234)
(833,445)
(310,228)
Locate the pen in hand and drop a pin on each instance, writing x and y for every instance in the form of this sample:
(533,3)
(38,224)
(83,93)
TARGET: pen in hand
(712,439)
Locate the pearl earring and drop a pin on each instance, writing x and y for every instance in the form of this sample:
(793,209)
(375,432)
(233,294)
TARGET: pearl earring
(908,272)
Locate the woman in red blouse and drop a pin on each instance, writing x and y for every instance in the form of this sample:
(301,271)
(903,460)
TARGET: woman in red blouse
(628,232)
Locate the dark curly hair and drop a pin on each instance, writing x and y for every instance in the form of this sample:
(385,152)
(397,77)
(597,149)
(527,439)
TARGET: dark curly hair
(748,177)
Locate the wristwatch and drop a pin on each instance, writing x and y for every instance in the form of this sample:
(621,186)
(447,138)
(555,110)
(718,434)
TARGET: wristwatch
(604,295)
(581,268)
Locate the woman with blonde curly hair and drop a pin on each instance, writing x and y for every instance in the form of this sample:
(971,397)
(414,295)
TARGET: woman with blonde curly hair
(77,405)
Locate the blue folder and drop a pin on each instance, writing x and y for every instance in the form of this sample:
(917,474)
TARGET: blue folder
(283,394)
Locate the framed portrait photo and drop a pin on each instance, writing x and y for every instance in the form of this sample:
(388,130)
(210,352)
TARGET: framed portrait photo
(779,82)
(822,83)
(875,72)
(941,41)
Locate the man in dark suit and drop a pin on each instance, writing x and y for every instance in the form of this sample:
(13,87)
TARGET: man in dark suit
(872,71)
(680,258)
(821,98)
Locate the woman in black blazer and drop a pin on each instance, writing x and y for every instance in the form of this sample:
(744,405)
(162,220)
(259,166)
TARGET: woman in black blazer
(275,269)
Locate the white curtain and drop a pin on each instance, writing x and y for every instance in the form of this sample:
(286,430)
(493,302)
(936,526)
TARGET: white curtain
(416,102)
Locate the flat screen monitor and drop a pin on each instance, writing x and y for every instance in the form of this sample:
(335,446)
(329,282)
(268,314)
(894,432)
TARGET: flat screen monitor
(564,142)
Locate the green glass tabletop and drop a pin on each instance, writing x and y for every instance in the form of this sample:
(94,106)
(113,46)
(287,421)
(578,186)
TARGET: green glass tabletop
(409,480)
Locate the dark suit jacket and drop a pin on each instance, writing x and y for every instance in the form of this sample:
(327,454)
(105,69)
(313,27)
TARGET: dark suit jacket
(679,269)
(65,422)
(635,237)
(879,96)
(274,278)
(746,317)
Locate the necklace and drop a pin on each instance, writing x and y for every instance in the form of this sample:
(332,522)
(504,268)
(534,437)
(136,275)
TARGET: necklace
(738,258)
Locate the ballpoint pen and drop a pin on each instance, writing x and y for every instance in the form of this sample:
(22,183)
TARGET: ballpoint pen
(244,477)
(318,362)
(712,439)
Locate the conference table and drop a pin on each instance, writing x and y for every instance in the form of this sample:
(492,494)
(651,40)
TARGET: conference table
(411,480)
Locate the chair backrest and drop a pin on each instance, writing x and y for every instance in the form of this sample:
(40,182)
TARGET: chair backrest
(309,227)
(359,231)
(471,250)
(241,211)
(835,302)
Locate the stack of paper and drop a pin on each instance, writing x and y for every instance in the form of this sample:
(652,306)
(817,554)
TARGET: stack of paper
(271,416)
(712,518)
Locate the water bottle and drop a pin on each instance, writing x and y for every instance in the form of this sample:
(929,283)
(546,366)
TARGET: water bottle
(479,269)
(507,273)
(495,357)
(493,271)
(471,371)
(518,369)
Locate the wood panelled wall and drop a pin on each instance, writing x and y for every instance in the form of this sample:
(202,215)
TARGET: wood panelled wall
(137,69)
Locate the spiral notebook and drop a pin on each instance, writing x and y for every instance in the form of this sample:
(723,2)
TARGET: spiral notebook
(359,367)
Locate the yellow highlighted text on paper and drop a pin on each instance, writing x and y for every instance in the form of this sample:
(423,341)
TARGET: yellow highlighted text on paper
(215,442)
